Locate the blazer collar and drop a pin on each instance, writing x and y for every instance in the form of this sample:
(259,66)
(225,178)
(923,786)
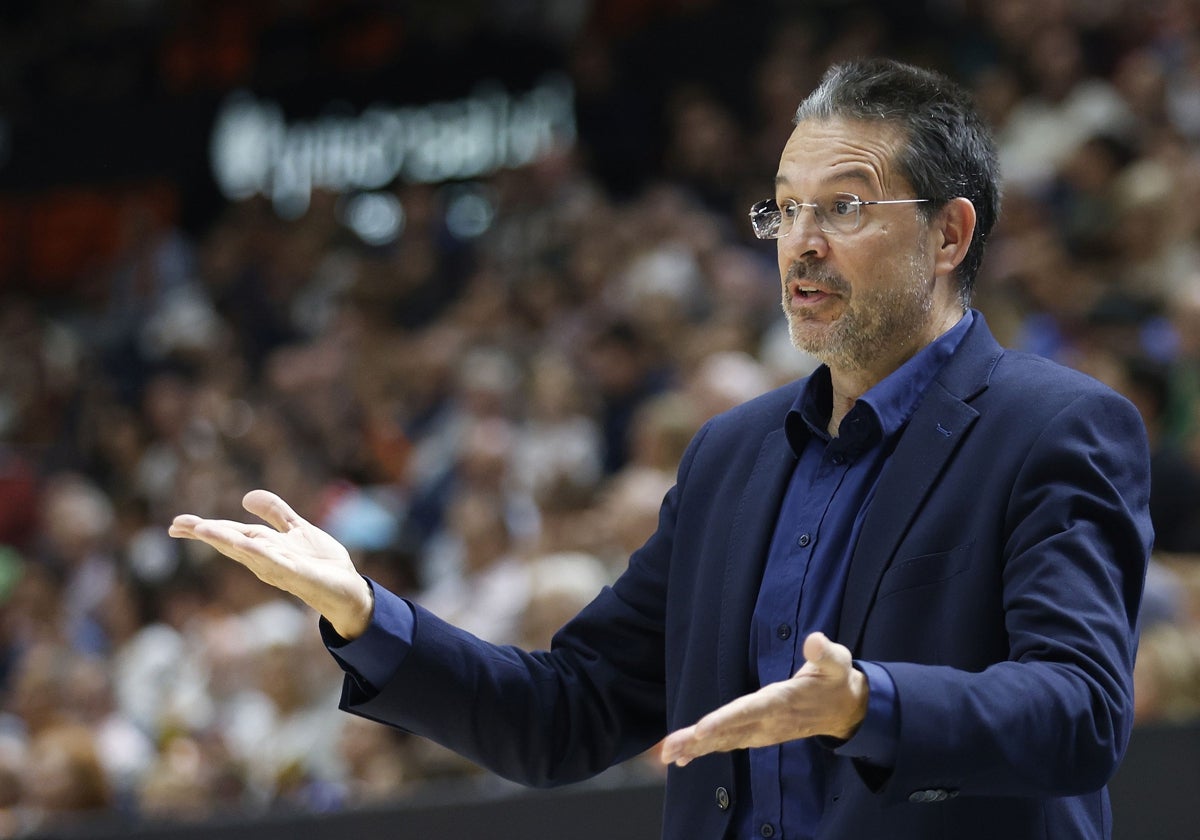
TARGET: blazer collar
(969,370)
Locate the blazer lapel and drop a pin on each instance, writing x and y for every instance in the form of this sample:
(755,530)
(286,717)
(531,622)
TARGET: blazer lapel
(750,535)
(932,436)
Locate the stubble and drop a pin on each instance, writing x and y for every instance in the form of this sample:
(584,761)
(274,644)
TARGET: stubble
(875,323)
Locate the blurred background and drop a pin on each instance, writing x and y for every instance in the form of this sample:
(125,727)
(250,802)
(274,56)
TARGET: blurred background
(459,280)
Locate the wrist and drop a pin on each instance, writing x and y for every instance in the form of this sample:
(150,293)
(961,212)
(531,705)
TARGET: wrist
(351,616)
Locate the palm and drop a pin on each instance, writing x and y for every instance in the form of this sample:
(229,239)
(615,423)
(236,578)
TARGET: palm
(290,554)
(827,696)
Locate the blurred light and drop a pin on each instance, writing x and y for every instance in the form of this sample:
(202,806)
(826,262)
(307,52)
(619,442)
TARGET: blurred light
(377,218)
(237,419)
(255,151)
(469,213)
(290,206)
(243,142)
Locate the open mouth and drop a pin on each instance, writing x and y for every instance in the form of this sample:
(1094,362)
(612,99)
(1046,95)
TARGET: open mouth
(809,293)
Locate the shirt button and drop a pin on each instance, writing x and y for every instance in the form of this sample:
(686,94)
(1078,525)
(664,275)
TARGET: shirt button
(767,830)
(783,631)
(804,540)
(722,799)
(838,460)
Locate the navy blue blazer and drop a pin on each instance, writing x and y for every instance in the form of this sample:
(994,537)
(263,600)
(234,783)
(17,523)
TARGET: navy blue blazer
(997,578)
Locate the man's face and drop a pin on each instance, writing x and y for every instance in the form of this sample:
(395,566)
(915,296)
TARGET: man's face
(866,300)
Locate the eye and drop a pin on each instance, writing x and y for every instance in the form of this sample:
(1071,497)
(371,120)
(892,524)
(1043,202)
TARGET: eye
(843,205)
(788,209)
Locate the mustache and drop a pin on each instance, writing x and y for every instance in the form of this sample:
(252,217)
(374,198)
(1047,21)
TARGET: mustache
(819,274)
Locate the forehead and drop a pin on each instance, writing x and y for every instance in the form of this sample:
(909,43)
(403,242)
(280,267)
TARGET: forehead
(851,155)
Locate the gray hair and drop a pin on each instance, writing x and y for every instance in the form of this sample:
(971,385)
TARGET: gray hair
(948,151)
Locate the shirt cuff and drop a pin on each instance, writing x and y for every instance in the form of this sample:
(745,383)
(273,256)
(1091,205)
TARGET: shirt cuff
(374,657)
(877,736)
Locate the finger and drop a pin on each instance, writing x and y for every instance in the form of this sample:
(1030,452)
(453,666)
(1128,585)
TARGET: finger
(250,530)
(817,648)
(674,747)
(733,718)
(825,656)
(735,725)
(271,509)
(184,525)
(247,544)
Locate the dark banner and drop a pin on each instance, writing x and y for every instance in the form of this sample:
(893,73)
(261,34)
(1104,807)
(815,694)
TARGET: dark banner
(76,176)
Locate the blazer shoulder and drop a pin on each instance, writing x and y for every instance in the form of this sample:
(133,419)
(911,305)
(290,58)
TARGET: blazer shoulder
(766,411)
(1045,379)
(739,432)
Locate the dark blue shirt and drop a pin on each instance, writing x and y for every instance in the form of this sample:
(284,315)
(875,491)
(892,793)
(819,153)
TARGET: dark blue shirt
(818,525)
(801,592)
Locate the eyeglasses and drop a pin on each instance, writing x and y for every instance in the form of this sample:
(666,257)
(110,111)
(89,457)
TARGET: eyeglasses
(838,213)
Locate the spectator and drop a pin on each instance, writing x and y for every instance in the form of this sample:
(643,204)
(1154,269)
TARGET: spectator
(538,380)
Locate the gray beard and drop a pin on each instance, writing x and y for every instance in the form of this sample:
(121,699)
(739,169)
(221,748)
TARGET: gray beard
(869,328)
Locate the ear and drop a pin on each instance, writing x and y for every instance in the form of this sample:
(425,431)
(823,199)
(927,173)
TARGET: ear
(954,227)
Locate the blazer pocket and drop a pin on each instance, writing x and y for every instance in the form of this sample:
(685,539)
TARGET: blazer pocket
(924,570)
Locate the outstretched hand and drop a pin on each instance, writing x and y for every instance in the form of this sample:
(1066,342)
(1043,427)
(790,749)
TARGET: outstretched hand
(290,554)
(827,696)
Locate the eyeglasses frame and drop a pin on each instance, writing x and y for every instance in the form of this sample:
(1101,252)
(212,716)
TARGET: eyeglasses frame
(856,201)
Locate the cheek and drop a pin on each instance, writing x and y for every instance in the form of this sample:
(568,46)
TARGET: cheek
(874,261)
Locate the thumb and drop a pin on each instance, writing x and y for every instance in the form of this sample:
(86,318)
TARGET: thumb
(824,656)
(273,510)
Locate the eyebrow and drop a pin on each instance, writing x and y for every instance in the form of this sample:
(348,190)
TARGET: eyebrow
(860,175)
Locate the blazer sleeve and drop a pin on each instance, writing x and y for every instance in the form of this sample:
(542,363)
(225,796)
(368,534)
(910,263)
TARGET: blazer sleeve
(545,718)
(1055,717)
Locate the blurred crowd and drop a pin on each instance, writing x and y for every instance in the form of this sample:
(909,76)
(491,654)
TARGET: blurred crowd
(489,420)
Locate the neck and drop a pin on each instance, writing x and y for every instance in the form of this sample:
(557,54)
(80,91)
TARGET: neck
(850,383)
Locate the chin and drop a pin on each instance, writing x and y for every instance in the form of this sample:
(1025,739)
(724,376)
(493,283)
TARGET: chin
(811,338)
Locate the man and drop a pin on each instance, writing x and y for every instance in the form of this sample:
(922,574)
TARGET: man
(895,599)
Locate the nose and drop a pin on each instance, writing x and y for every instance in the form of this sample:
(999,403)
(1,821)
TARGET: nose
(805,237)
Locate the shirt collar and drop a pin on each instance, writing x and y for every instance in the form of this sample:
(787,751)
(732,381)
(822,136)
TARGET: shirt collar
(882,411)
